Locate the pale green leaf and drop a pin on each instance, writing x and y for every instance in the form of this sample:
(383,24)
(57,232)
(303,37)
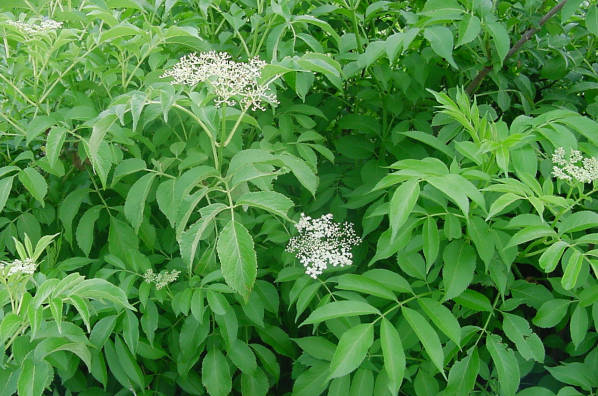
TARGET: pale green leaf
(237,257)
(351,349)
(427,336)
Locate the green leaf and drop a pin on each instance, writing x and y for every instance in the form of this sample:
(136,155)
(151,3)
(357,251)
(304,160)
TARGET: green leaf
(530,233)
(168,200)
(481,235)
(149,321)
(138,102)
(340,386)
(321,63)
(267,200)
(34,377)
(551,313)
(34,183)
(500,37)
(55,344)
(128,363)
(39,125)
(114,363)
(393,354)
(237,258)
(351,349)
(592,20)
(431,141)
(459,266)
(442,317)
(189,240)
(569,9)
(551,256)
(402,203)
(242,356)
(121,238)
(69,208)
(217,302)
(574,265)
(321,24)
(131,331)
(574,373)
(255,383)
(431,240)
(452,186)
(101,289)
(579,325)
(441,41)
(427,336)
(82,308)
(340,309)
(463,374)
(442,9)
(98,133)
(135,202)
(312,381)
(102,330)
(301,170)
(578,221)
(364,285)
(84,233)
(469,29)
(127,167)
(390,279)
(5,187)
(123,29)
(318,347)
(215,373)
(502,202)
(56,138)
(528,344)
(362,383)
(506,365)
(474,300)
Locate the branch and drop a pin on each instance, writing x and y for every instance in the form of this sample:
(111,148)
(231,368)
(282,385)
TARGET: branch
(473,85)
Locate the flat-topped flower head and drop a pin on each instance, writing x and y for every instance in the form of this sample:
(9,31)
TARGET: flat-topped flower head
(33,29)
(230,81)
(161,279)
(574,167)
(16,267)
(322,243)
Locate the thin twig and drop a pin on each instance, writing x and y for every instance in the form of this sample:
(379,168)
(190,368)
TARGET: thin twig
(473,85)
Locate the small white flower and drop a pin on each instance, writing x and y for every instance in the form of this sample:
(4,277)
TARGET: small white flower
(45,26)
(161,279)
(230,81)
(322,242)
(570,168)
(26,267)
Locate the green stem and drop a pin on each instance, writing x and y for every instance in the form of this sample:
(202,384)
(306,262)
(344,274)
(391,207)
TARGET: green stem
(356,30)
(237,123)
(17,90)
(567,209)
(490,315)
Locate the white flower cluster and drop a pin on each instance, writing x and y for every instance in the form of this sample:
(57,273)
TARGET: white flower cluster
(574,167)
(26,267)
(45,26)
(162,279)
(229,80)
(322,242)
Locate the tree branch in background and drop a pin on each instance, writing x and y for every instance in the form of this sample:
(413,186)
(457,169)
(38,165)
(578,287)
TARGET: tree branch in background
(474,84)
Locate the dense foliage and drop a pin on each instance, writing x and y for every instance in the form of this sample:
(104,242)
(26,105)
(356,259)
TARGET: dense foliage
(151,236)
